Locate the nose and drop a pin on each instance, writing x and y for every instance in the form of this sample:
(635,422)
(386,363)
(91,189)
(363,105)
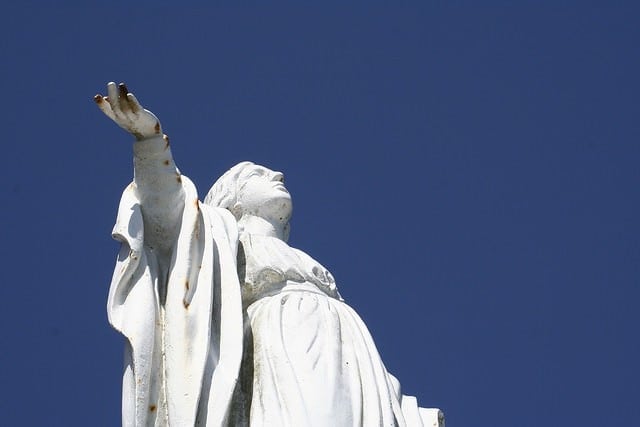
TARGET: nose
(278,176)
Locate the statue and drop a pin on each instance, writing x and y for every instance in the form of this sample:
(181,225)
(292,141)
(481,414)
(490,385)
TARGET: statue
(225,323)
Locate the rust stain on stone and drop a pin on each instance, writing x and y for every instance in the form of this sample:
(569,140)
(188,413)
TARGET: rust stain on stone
(196,232)
(157,127)
(123,90)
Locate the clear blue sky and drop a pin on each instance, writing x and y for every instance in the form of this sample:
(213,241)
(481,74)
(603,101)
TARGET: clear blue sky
(469,175)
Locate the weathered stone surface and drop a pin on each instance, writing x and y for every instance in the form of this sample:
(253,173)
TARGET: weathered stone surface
(226,324)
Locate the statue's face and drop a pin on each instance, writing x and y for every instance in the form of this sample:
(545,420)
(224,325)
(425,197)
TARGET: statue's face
(262,193)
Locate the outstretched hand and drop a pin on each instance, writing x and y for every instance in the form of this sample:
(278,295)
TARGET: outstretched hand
(122,107)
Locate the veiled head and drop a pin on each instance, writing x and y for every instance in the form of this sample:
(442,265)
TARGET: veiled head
(252,189)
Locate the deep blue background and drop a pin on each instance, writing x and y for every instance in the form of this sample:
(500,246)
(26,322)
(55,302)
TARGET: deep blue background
(468,173)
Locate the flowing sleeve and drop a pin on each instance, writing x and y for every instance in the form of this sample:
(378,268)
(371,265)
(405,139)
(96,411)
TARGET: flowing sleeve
(131,308)
(191,346)
(203,327)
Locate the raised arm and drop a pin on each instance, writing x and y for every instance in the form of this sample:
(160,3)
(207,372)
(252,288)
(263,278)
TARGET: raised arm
(157,181)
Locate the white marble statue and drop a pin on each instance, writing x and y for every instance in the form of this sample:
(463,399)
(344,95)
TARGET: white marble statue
(225,323)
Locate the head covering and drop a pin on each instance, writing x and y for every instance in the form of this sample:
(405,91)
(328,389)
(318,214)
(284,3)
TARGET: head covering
(224,192)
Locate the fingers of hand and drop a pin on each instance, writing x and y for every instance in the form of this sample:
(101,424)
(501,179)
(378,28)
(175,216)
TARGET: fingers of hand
(122,98)
(133,103)
(123,104)
(123,107)
(116,104)
(123,90)
(112,96)
(104,105)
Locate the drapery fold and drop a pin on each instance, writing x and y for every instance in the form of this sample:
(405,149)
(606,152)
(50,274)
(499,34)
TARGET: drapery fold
(182,358)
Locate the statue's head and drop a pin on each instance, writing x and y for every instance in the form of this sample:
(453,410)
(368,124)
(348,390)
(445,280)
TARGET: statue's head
(250,189)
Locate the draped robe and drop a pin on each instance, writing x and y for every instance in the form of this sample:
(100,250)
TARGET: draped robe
(182,357)
(312,362)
